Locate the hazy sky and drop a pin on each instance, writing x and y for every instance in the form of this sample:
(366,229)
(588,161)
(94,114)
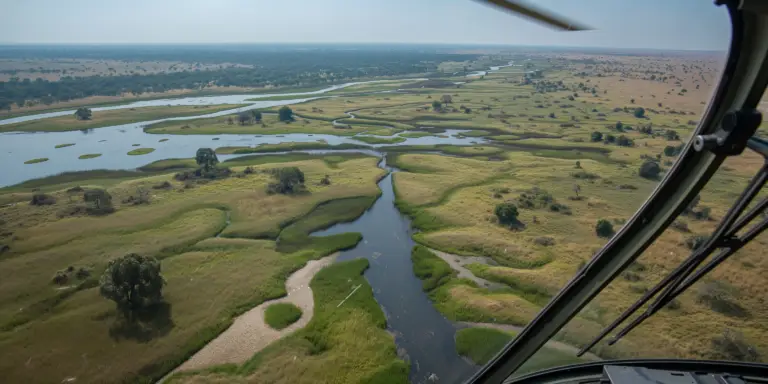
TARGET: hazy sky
(669,24)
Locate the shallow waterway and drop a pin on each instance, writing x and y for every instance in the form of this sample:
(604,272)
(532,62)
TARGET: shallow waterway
(424,337)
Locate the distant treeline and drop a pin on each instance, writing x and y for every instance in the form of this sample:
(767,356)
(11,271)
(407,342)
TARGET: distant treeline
(271,67)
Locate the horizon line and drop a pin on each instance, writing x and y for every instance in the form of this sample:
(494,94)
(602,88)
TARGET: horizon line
(479,45)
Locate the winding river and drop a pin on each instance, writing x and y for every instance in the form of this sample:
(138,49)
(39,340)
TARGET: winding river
(423,336)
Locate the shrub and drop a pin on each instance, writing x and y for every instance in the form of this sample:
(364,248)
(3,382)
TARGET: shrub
(718,297)
(732,346)
(695,242)
(60,278)
(631,276)
(624,141)
(289,180)
(325,180)
(671,135)
(281,315)
(680,226)
(585,175)
(639,112)
(163,185)
(42,199)
(506,213)
(248,170)
(561,208)
(544,241)
(650,170)
(100,201)
(285,114)
(604,228)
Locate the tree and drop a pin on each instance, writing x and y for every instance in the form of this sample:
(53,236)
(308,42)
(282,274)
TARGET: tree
(670,151)
(597,136)
(446,99)
(243,118)
(649,170)
(604,228)
(625,141)
(289,180)
(639,112)
(506,213)
(610,138)
(133,282)
(83,113)
(436,105)
(285,113)
(619,126)
(578,164)
(256,115)
(671,135)
(101,200)
(206,158)
(576,189)
(5,105)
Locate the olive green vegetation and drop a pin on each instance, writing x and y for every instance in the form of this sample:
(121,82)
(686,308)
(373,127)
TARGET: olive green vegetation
(415,134)
(481,344)
(282,97)
(269,125)
(65,145)
(162,140)
(37,160)
(140,151)
(226,276)
(296,235)
(281,315)
(430,268)
(344,344)
(89,156)
(113,117)
(379,140)
(286,147)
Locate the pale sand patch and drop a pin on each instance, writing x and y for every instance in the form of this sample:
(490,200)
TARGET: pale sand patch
(458,262)
(249,333)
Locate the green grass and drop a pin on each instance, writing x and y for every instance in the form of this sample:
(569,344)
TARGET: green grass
(162,140)
(140,151)
(37,160)
(281,315)
(70,179)
(344,344)
(432,270)
(286,147)
(89,156)
(415,134)
(113,117)
(379,140)
(65,145)
(481,344)
(169,164)
(296,234)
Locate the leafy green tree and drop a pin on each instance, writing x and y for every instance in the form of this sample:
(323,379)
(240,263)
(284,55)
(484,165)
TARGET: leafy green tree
(133,282)
(506,213)
(289,180)
(206,158)
(446,99)
(650,170)
(625,141)
(285,114)
(619,126)
(436,105)
(597,136)
(610,138)
(256,115)
(243,118)
(604,228)
(83,113)
(639,112)
(5,105)
(671,135)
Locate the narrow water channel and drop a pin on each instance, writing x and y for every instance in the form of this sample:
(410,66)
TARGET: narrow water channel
(421,332)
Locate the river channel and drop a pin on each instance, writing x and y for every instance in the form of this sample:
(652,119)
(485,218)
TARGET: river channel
(423,336)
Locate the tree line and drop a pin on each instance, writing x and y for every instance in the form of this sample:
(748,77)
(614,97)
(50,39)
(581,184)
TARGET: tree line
(281,68)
